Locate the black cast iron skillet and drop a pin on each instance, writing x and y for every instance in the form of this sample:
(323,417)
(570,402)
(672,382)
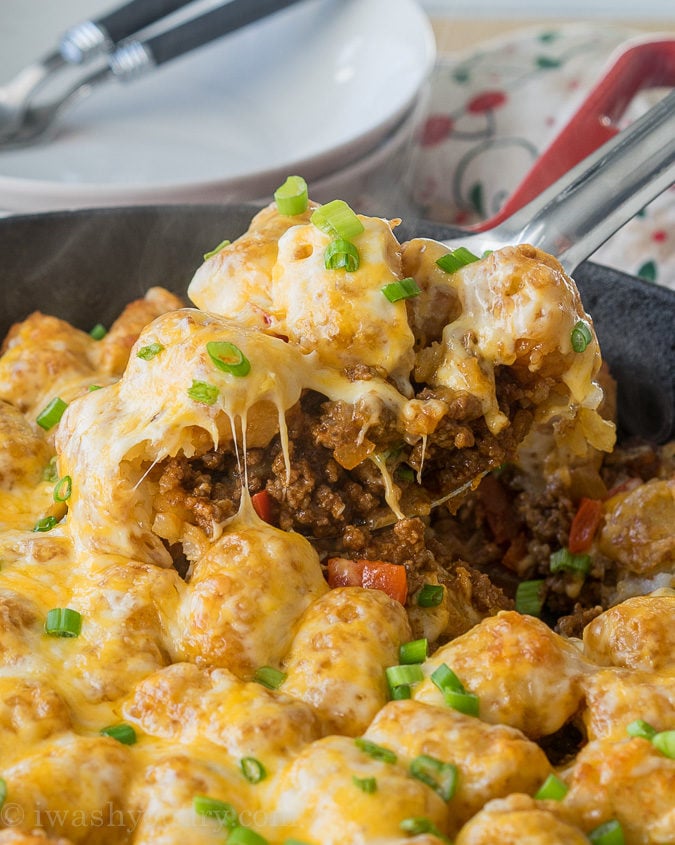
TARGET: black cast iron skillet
(85,265)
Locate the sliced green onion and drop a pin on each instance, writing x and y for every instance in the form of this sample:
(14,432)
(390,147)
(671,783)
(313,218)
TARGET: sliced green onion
(440,776)
(269,677)
(640,728)
(367,785)
(63,622)
(400,676)
(122,733)
(337,219)
(93,387)
(413,652)
(49,472)
(212,808)
(401,693)
(453,691)
(152,350)
(45,524)
(405,473)
(581,336)
(609,833)
(292,197)
(401,289)
(418,824)
(52,413)
(241,835)
(216,249)
(203,392)
(565,560)
(463,702)
(552,789)
(377,752)
(63,489)
(228,358)
(252,769)
(665,742)
(445,679)
(458,258)
(341,255)
(431,595)
(98,332)
(530,597)
(3,791)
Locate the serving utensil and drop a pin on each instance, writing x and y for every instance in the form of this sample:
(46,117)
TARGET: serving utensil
(123,57)
(586,206)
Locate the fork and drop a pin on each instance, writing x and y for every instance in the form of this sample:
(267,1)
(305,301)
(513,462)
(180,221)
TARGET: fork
(24,122)
(586,206)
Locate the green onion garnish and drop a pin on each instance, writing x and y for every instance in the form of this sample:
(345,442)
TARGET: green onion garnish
(453,261)
(413,652)
(564,559)
(341,255)
(552,789)
(52,413)
(405,473)
(98,332)
(63,489)
(269,677)
(337,219)
(453,691)
(609,833)
(401,289)
(49,472)
(418,824)
(445,679)
(63,622)
(642,729)
(93,387)
(3,791)
(122,733)
(213,808)
(203,392)
(401,693)
(152,350)
(228,358)
(216,250)
(252,769)
(398,676)
(581,336)
(530,597)
(431,595)
(440,776)
(292,197)
(463,702)
(45,524)
(367,785)
(377,752)
(665,742)
(241,835)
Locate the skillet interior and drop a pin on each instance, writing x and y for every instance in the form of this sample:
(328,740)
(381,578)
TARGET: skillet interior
(85,265)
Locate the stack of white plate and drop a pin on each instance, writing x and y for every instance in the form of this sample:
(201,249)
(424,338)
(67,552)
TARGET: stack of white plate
(330,89)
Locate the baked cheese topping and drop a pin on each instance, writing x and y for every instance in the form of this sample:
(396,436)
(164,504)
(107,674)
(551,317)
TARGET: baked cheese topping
(258,695)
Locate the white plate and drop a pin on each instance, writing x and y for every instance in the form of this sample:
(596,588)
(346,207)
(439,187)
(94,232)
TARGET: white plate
(311,88)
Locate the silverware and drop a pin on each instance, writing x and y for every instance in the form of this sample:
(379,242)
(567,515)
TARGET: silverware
(122,57)
(586,206)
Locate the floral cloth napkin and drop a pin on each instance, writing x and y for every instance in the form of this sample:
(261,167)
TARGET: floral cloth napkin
(492,112)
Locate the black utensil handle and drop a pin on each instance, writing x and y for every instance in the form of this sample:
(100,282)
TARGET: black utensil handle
(128,19)
(209,26)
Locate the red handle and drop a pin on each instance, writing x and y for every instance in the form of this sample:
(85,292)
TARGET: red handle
(640,64)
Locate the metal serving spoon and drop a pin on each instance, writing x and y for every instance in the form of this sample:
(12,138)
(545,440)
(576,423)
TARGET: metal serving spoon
(586,206)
